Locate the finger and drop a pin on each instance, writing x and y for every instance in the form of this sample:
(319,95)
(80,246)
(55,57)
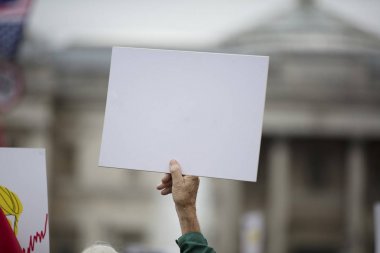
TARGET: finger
(162,186)
(175,170)
(191,179)
(166,191)
(167,178)
(195,179)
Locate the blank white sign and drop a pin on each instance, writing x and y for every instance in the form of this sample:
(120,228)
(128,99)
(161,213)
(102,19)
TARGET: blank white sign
(203,109)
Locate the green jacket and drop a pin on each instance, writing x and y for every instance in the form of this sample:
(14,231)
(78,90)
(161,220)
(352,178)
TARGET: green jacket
(194,243)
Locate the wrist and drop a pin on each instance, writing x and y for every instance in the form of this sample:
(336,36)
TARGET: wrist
(188,220)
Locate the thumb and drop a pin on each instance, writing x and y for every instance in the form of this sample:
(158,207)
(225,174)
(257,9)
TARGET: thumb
(175,170)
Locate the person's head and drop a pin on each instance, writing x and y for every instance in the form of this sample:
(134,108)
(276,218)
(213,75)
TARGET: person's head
(99,249)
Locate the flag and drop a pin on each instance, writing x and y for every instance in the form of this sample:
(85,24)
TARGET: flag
(8,239)
(12,17)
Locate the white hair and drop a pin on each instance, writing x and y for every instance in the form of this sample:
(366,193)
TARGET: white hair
(99,249)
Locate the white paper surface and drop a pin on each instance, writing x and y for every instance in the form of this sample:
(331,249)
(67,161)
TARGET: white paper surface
(377,227)
(23,172)
(203,109)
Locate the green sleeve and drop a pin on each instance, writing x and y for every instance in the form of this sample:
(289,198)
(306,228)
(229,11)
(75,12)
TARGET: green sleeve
(194,243)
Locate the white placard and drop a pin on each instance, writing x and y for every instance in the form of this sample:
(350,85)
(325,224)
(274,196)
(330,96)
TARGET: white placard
(203,109)
(23,191)
(377,227)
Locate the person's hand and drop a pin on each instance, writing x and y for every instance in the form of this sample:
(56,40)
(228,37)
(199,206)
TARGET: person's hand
(183,188)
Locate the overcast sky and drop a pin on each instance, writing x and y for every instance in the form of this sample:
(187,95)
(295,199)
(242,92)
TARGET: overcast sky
(179,23)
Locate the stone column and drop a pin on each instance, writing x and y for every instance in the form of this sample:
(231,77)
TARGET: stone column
(228,215)
(356,171)
(278,202)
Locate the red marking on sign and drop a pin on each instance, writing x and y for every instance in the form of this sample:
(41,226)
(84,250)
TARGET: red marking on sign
(38,237)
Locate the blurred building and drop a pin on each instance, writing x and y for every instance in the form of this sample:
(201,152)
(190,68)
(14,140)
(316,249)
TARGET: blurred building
(318,177)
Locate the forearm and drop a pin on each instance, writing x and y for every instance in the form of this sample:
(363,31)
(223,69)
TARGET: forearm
(188,220)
